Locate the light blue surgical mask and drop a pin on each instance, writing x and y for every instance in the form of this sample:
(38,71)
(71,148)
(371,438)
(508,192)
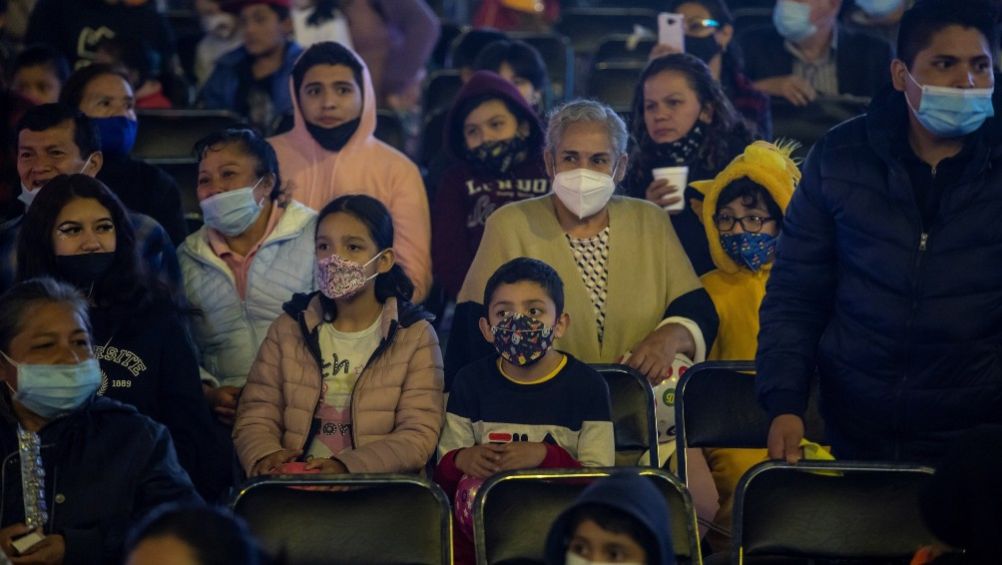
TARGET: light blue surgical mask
(952,112)
(28,195)
(793,20)
(233,211)
(53,391)
(879,8)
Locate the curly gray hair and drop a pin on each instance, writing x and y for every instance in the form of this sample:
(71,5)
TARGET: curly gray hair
(586,111)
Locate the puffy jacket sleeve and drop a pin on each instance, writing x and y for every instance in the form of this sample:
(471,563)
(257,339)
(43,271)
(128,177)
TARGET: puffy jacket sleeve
(412,228)
(257,431)
(799,295)
(418,418)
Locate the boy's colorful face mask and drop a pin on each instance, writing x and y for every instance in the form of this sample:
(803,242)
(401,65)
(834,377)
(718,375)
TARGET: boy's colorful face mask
(521,339)
(751,250)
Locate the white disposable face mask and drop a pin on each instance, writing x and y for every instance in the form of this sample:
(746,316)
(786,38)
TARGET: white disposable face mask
(574,559)
(28,195)
(584,192)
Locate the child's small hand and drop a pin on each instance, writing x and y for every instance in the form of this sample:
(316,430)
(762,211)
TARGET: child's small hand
(267,465)
(325,465)
(522,455)
(480,461)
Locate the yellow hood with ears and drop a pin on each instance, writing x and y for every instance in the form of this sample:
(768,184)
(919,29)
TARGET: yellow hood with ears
(764,163)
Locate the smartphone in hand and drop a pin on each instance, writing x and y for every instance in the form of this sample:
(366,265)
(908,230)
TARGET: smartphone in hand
(671,30)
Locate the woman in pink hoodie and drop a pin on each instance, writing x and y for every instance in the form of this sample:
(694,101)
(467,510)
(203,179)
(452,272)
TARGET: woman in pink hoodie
(332,151)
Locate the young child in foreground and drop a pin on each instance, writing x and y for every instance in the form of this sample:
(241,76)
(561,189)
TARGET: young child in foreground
(742,212)
(530,406)
(620,519)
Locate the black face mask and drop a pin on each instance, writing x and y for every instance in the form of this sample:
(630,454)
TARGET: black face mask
(85,270)
(681,152)
(335,138)
(498,157)
(705,48)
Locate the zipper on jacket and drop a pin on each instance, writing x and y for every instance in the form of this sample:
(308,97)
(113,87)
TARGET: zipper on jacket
(383,344)
(318,357)
(923,245)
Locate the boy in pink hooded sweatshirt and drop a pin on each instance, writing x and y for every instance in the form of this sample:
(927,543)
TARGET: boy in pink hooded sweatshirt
(332,151)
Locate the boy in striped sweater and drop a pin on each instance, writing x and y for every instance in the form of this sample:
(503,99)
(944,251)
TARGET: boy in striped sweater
(530,406)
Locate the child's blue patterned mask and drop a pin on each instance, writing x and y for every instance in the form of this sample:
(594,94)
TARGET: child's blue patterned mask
(751,250)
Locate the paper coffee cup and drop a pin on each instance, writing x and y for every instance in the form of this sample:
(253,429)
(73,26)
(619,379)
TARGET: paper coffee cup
(678,177)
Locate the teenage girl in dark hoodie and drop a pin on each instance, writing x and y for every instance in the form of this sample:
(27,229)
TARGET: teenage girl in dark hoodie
(496,140)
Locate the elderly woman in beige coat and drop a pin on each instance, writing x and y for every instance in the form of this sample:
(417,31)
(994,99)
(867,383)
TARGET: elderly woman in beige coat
(349,378)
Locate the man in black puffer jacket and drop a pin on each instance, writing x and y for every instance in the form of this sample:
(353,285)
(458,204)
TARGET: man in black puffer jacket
(888,276)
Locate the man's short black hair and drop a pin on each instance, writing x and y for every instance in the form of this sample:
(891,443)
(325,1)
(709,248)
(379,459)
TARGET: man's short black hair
(326,53)
(48,116)
(526,269)
(928,17)
(42,55)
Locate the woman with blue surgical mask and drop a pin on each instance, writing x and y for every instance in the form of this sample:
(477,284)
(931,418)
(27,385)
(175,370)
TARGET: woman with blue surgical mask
(78,231)
(99,464)
(103,94)
(251,255)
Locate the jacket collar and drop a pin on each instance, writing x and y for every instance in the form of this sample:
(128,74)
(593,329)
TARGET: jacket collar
(294,220)
(887,127)
(316,309)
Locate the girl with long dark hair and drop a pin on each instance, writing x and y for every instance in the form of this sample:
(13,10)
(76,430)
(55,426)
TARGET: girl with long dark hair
(349,379)
(681,117)
(78,231)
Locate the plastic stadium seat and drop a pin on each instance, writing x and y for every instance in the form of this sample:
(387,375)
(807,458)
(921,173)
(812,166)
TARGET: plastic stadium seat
(831,511)
(624,49)
(513,511)
(614,83)
(171,134)
(440,90)
(556,52)
(752,17)
(807,124)
(632,414)
(586,27)
(716,406)
(387,519)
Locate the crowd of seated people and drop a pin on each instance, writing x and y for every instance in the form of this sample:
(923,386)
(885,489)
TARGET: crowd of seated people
(314,297)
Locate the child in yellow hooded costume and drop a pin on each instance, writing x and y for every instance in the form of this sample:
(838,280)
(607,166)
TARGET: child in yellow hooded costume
(742,211)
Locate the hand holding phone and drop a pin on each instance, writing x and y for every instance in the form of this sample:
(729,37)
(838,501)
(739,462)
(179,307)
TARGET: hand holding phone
(671,30)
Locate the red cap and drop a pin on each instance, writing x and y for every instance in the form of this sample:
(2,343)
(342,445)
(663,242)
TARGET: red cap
(234,6)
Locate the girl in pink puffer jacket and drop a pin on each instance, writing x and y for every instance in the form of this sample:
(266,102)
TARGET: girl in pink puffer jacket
(349,378)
